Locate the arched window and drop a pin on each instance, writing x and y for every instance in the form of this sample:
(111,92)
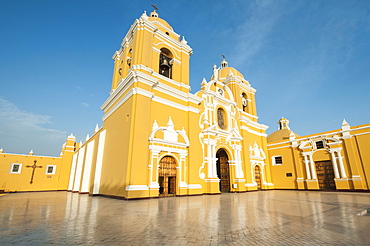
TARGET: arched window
(221,118)
(165,63)
(244,102)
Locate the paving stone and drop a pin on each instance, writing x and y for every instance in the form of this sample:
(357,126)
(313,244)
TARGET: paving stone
(255,218)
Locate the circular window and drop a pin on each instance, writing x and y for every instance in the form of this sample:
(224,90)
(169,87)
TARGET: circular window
(221,118)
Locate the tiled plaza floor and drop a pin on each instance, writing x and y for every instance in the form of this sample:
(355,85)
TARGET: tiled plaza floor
(254,218)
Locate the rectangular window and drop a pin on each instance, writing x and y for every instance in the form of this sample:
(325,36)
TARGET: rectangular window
(15,168)
(277,160)
(50,169)
(319,144)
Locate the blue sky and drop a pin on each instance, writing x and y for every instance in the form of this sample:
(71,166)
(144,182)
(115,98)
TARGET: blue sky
(308,60)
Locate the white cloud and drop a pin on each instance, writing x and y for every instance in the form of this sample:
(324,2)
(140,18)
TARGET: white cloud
(84,104)
(21,131)
(255,30)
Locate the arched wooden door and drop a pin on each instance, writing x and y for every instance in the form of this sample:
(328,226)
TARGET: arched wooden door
(167,176)
(257,177)
(223,170)
(325,175)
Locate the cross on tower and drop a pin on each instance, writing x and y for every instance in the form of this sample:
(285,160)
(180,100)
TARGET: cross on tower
(34,166)
(155,7)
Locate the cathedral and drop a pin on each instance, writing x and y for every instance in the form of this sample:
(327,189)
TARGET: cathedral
(160,140)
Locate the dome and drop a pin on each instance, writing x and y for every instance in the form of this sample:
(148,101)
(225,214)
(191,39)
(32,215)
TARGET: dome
(224,72)
(154,17)
(279,135)
(283,133)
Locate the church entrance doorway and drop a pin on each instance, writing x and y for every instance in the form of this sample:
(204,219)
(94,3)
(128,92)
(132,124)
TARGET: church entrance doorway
(325,175)
(223,170)
(257,177)
(167,177)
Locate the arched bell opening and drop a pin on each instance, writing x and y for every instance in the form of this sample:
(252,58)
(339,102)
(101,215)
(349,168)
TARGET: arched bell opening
(245,102)
(223,170)
(165,63)
(167,176)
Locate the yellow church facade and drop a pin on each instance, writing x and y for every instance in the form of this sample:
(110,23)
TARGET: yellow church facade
(333,160)
(158,139)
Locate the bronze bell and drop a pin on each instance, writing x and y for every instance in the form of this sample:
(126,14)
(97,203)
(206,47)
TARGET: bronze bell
(165,63)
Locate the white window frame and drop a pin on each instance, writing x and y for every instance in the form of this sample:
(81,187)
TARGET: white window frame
(12,166)
(274,160)
(47,168)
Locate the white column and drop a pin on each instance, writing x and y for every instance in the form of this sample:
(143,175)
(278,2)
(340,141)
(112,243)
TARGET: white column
(73,171)
(214,161)
(210,161)
(335,166)
(99,162)
(313,169)
(153,183)
(262,173)
(307,167)
(79,169)
(85,184)
(238,164)
(182,172)
(341,166)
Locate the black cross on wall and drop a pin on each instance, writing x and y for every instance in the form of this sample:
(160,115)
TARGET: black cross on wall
(34,166)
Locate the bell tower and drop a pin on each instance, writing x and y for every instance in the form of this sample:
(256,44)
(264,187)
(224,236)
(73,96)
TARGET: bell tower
(150,84)
(152,46)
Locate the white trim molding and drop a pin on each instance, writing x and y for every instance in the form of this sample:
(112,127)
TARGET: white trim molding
(136,187)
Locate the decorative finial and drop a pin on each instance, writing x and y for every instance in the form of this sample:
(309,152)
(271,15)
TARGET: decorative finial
(224,63)
(155,125)
(71,137)
(183,40)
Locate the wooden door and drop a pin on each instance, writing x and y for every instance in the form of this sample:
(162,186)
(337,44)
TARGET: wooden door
(171,185)
(325,175)
(257,177)
(167,177)
(223,171)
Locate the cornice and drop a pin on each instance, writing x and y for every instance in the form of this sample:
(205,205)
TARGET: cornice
(253,131)
(187,97)
(218,97)
(124,84)
(247,114)
(175,105)
(252,123)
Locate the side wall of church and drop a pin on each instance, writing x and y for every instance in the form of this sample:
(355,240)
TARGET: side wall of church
(344,151)
(19,173)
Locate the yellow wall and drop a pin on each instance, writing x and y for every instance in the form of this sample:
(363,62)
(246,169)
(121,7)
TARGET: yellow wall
(348,144)
(42,181)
